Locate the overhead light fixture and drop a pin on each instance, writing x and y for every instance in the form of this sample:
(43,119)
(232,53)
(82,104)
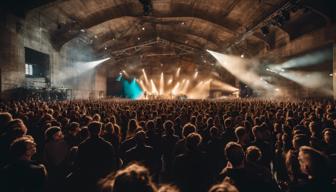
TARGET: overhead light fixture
(265,30)
(285,15)
(147,7)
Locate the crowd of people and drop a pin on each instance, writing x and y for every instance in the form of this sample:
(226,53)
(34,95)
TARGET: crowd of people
(241,145)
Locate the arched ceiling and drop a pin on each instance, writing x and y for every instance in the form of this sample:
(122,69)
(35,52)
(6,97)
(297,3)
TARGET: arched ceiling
(201,24)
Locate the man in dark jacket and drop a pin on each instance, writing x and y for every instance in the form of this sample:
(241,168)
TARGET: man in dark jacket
(96,158)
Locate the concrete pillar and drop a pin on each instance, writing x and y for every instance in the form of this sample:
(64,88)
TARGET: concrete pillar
(334,70)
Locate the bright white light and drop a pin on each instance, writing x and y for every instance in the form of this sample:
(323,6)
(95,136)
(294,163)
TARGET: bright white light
(126,74)
(277,89)
(170,81)
(175,89)
(178,72)
(161,84)
(143,28)
(242,55)
(93,64)
(145,76)
(223,86)
(241,69)
(185,87)
(305,60)
(196,74)
(142,85)
(154,89)
(330,74)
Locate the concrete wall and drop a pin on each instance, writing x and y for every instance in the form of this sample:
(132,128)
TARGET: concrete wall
(18,33)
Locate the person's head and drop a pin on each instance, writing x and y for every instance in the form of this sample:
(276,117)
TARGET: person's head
(193,141)
(5,118)
(187,129)
(16,128)
(228,123)
(299,140)
(150,126)
(108,128)
(312,162)
(235,154)
(168,188)
(241,134)
(214,132)
(329,136)
(96,117)
(53,134)
(169,127)
(277,128)
(258,132)
(314,128)
(131,128)
(140,137)
(74,128)
(95,128)
(86,120)
(134,177)
(23,148)
(223,187)
(253,154)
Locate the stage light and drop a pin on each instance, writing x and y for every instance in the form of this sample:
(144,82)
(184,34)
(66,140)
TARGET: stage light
(143,28)
(280,20)
(161,84)
(242,56)
(143,86)
(154,89)
(175,89)
(285,15)
(125,73)
(185,87)
(265,30)
(145,76)
(196,74)
(241,69)
(178,72)
(223,86)
(170,81)
(93,64)
(147,7)
(105,48)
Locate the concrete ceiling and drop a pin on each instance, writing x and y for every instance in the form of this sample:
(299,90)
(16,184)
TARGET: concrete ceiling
(202,24)
(117,24)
